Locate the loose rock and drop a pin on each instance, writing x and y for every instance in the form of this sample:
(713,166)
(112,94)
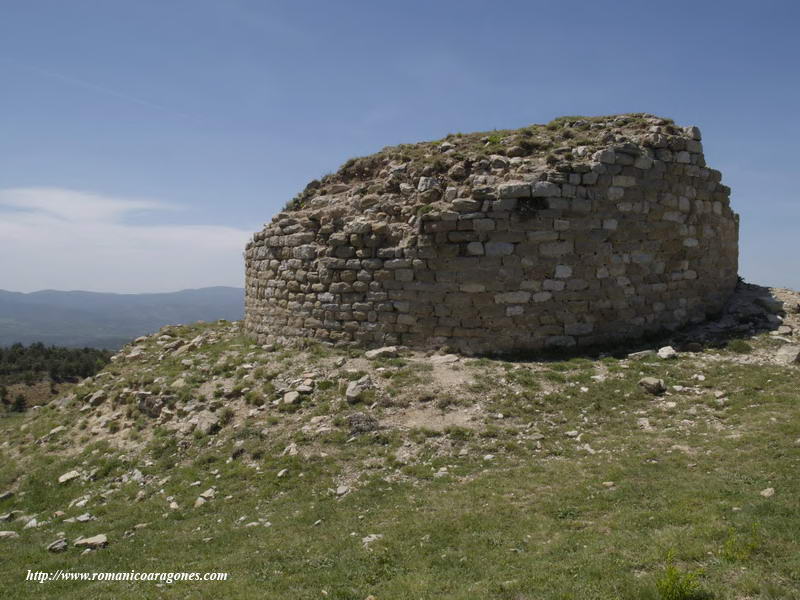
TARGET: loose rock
(98,541)
(788,355)
(60,545)
(667,352)
(69,476)
(385,352)
(653,386)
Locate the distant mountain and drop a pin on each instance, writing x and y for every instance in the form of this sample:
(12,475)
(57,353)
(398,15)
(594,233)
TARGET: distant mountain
(98,320)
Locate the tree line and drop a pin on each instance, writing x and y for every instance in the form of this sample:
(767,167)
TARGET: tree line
(30,364)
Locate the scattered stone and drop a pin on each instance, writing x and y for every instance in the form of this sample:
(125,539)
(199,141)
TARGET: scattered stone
(7,535)
(653,386)
(641,354)
(667,352)
(283,473)
(69,476)
(290,450)
(644,423)
(385,352)
(6,495)
(209,494)
(342,490)
(768,493)
(206,422)
(60,545)
(608,484)
(33,523)
(444,359)
(97,398)
(355,390)
(572,434)
(97,541)
(199,502)
(372,537)
(85,518)
(292,397)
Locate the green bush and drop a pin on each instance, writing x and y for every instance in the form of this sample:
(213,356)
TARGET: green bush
(740,347)
(675,584)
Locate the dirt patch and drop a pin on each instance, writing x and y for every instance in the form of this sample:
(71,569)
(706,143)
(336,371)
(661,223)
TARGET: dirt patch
(429,417)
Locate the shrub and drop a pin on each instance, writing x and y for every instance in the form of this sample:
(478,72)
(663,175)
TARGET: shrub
(20,404)
(226,416)
(740,347)
(675,584)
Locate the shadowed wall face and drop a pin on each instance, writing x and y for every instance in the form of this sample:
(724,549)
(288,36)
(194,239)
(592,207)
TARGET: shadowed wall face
(638,237)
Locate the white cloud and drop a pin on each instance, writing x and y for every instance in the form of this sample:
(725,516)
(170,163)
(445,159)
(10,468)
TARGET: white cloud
(65,239)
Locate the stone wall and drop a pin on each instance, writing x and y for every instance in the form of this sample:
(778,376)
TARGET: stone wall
(639,237)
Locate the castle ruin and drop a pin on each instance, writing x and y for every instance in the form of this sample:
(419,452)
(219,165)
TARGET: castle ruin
(585,231)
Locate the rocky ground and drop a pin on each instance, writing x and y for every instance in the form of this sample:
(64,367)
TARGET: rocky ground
(196,433)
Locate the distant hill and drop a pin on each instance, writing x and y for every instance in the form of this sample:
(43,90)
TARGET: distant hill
(99,320)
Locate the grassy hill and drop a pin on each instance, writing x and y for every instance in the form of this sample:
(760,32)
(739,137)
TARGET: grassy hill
(337,474)
(77,319)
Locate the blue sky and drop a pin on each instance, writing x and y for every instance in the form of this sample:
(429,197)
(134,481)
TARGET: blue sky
(141,141)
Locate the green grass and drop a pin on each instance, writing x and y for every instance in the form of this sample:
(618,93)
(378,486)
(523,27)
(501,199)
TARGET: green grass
(508,508)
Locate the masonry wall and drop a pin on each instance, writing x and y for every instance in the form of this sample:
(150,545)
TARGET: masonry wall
(637,239)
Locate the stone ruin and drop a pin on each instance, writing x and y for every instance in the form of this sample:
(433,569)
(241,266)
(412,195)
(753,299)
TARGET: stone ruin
(586,231)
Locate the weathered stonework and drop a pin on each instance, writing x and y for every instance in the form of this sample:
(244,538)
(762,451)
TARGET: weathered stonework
(624,236)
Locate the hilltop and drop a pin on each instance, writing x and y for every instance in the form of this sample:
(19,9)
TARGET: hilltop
(333,472)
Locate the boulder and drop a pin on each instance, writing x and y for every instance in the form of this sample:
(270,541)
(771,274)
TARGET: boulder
(69,476)
(206,422)
(355,390)
(385,352)
(60,545)
(653,386)
(788,355)
(97,398)
(97,541)
(292,397)
(667,352)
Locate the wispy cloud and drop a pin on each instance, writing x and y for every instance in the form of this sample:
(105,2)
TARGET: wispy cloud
(93,87)
(67,239)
